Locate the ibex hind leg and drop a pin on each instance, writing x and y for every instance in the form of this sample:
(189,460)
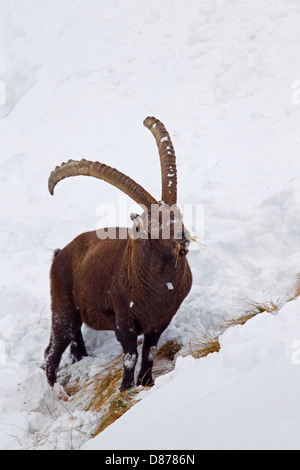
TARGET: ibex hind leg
(57,345)
(65,331)
(77,348)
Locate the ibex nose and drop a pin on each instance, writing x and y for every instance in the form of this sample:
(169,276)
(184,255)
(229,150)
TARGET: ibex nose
(183,238)
(182,243)
(180,235)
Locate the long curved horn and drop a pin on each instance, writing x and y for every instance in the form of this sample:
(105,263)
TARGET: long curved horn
(167,159)
(105,173)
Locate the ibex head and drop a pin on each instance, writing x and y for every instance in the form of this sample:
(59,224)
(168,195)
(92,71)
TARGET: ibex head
(160,222)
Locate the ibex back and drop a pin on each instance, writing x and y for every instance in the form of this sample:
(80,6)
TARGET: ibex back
(132,285)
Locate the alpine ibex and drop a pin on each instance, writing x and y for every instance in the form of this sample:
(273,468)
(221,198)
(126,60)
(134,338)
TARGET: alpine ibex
(133,285)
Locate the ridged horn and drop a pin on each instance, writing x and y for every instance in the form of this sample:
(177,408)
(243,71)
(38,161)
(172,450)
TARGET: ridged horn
(167,159)
(105,173)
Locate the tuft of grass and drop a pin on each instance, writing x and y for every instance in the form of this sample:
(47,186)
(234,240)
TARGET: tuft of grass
(100,392)
(269,307)
(94,391)
(252,309)
(119,404)
(168,350)
(106,397)
(294,288)
(165,357)
(203,346)
(297,292)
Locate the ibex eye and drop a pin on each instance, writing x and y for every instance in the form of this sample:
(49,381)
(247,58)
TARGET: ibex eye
(153,224)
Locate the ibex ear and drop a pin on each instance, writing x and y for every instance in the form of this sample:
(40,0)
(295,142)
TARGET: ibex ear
(136,219)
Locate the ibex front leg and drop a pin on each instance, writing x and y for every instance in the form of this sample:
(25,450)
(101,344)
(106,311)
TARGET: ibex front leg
(148,355)
(127,336)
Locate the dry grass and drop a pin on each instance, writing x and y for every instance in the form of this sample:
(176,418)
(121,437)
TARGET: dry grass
(165,357)
(168,350)
(202,344)
(251,310)
(201,347)
(119,404)
(297,292)
(100,393)
(294,288)
(107,395)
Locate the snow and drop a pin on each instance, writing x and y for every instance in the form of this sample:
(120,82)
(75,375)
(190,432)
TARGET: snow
(170,285)
(129,360)
(245,397)
(152,353)
(223,76)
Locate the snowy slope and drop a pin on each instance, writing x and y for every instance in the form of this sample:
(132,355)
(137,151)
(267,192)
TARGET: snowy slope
(80,78)
(244,397)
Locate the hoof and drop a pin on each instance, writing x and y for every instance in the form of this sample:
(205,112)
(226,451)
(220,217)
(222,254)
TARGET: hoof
(145,381)
(125,387)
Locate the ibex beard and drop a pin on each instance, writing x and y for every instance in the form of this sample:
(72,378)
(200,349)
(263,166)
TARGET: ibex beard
(122,283)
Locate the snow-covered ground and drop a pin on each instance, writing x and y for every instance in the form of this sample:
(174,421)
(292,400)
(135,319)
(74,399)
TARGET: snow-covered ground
(244,397)
(223,76)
